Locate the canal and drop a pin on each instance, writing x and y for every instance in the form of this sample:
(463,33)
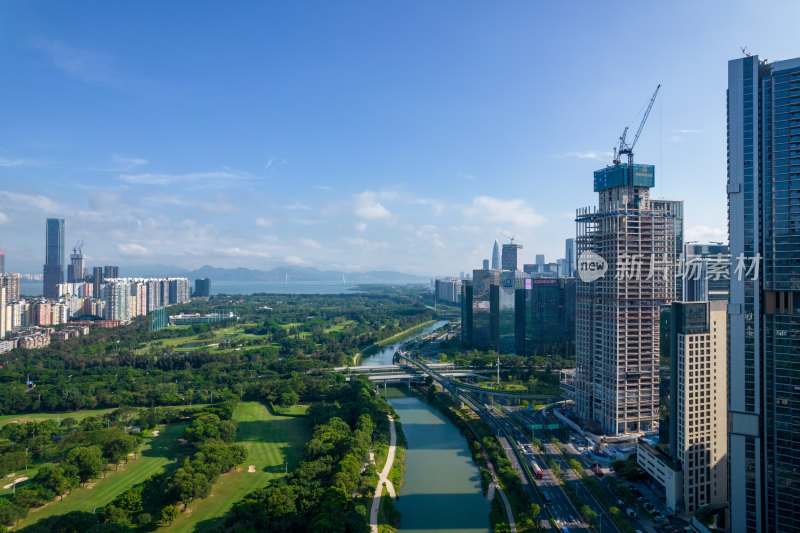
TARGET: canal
(441,487)
(382,355)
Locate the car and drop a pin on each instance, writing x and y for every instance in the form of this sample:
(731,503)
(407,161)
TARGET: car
(620,503)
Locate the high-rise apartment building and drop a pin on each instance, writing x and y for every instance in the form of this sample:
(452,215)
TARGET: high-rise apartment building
(54,257)
(509,258)
(618,309)
(2,313)
(2,262)
(763,102)
(496,255)
(11,283)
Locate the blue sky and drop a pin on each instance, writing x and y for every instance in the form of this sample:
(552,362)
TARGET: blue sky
(355,135)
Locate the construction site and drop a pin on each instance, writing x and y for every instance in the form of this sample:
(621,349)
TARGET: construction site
(634,239)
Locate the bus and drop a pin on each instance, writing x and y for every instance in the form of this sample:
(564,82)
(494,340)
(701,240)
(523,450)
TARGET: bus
(536,470)
(546,497)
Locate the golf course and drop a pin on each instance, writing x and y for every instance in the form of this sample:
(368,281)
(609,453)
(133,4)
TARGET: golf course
(271,440)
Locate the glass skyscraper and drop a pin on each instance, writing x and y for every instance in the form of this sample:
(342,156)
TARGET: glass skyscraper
(764,309)
(54,257)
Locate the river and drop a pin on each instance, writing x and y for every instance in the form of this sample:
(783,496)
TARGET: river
(441,487)
(383,355)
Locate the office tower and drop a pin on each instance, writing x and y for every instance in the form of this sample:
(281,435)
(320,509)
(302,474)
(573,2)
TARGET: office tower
(496,256)
(11,283)
(466,314)
(617,322)
(764,309)
(706,272)
(97,280)
(111,272)
(54,257)
(2,262)
(540,261)
(483,324)
(698,401)
(202,287)
(509,258)
(506,324)
(569,258)
(486,264)
(675,209)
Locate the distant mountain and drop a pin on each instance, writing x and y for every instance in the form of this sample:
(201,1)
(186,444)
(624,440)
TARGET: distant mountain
(277,274)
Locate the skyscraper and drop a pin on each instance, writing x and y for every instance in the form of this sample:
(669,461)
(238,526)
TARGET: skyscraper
(97,280)
(509,258)
(202,287)
(675,209)
(540,261)
(54,257)
(569,258)
(706,275)
(111,272)
(631,240)
(76,270)
(2,262)
(764,309)
(496,256)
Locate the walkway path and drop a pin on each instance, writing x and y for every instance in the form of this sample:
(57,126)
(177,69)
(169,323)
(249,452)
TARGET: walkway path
(384,478)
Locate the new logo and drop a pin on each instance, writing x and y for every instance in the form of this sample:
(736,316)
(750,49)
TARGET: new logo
(591,267)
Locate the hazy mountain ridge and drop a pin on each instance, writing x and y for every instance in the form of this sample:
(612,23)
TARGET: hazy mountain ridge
(277,274)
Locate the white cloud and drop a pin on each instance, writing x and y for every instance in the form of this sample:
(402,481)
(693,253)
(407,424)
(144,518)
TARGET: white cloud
(3,218)
(132,249)
(295,260)
(262,222)
(704,233)
(275,161)
(128,163)
(323,187)
(238,252)
(166,179)
(361,226)
(6,162)
(298,207)
(688,131)
(435,206)
(589,154)
(514,212)
(311,243)
(37,201)
(367,206)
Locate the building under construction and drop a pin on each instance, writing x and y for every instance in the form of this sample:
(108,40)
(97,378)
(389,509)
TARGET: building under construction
(617,322)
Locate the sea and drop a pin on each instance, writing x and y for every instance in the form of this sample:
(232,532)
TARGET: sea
(34,288)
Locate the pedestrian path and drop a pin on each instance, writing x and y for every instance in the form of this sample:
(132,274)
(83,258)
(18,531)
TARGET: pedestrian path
(384,479)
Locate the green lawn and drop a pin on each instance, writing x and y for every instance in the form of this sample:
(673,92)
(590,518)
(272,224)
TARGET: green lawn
(38,417)
(270,440)
(156,453)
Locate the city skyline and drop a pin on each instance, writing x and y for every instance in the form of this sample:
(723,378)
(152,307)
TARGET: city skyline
(440,143)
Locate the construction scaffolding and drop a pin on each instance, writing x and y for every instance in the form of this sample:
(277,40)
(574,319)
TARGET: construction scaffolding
(617,322)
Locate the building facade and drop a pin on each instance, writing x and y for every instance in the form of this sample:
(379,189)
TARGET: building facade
(496,255)
(699,402)
(764,311)
(617,322)
(54,257)
(509,259)
(705,272)
(202,287)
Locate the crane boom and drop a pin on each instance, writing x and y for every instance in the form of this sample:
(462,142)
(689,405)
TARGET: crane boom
(644,118)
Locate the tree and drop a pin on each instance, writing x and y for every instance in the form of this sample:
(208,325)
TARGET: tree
(118,449)
(114,515)
(289,399)
(88,460)
(169,513)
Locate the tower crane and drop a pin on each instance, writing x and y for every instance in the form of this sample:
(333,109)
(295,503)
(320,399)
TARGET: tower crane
(627,149)
(78,248)
(507,236)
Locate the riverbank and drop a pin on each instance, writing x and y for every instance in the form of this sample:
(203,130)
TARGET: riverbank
(409,331)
